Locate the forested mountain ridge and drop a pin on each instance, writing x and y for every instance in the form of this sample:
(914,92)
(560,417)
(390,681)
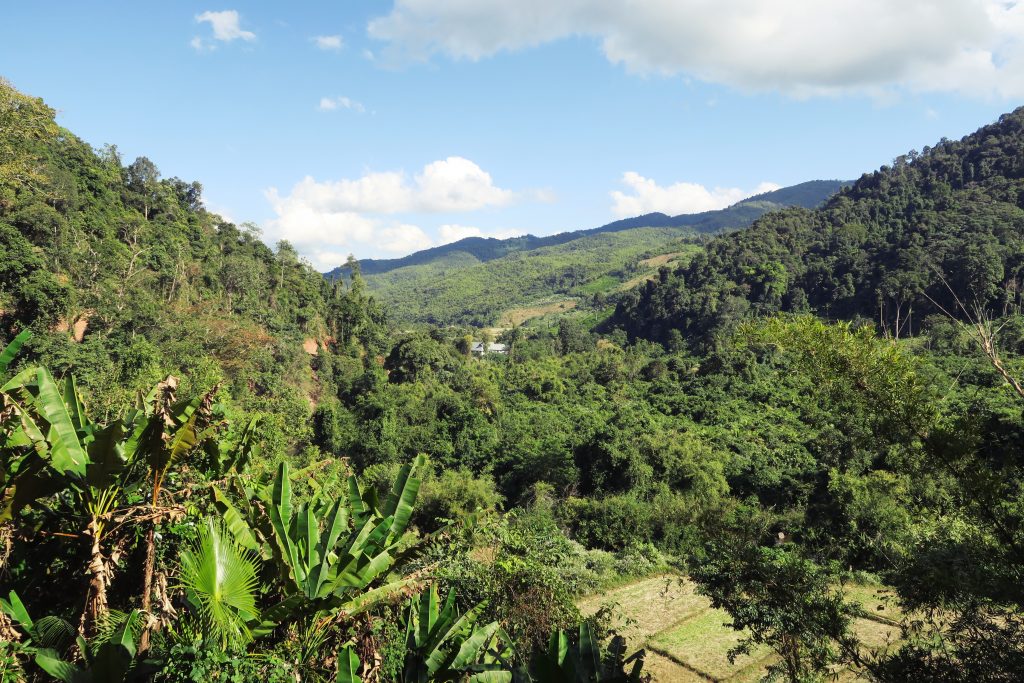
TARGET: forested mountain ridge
(899,244)
(808,195)
(478,281)
(125,277)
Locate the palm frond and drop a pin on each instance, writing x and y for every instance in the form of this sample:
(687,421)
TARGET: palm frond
(220,578)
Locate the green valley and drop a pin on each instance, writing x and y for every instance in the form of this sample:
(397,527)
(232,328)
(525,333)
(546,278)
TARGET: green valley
(787,437)
(476,281)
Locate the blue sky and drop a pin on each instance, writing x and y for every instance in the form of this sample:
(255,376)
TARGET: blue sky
(379,128)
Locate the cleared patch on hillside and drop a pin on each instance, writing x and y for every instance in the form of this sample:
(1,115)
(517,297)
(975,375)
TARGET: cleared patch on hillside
(688,641)
(702,643)
(674,259)
(517,316)
(660,260)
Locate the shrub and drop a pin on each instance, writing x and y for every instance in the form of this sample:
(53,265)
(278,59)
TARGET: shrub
(453,495)
(194,663)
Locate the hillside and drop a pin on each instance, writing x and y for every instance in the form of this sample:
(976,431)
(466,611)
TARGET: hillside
(479,281)
(935,230)
(482,249)
(125,277)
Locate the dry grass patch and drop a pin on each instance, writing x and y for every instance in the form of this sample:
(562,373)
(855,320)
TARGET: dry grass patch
(876,636)
(648,606)
(517,316)
(687,641)
(702,643)
(879,602)
(664,670)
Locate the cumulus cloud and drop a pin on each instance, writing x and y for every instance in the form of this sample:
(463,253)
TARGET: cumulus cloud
(453,232)
(328,42)
(457,184)
(324,218)
(646,196)
(801,47)
(332,103)
(452,184)
(403,239)
(226,26)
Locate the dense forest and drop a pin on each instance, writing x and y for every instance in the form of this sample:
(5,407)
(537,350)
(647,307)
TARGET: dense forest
(900,244)
(217,464)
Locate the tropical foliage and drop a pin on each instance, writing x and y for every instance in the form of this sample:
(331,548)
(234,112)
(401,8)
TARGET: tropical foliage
(217,465)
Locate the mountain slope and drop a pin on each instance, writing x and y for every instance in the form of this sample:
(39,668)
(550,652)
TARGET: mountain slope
(477,280)
(902,243)
(124,277)
(809,195)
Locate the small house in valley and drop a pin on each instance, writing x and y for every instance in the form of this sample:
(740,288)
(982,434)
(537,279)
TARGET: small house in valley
(482,348)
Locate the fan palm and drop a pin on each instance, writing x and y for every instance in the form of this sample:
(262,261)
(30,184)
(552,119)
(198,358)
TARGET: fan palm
(219,578)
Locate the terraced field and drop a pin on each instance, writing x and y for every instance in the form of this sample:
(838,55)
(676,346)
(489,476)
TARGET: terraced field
(688,641)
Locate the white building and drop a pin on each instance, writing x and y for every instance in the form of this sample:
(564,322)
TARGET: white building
(478,348)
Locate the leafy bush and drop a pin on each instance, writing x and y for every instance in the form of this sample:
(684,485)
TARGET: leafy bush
(197,663)
(453,495)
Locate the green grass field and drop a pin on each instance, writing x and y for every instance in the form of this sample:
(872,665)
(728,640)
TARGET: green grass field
(688,641)
(702,642)
(879,602)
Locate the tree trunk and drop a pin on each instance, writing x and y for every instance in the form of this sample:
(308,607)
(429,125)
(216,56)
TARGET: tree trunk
(147,584)
(99,582)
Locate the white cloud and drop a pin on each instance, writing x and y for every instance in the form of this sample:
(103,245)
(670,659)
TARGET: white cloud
(457,184)
(225,25)
(323,219)
(329,42)
(454,232)
(646,196)
(332,103)
(801,47)
(448,185)
(403,239)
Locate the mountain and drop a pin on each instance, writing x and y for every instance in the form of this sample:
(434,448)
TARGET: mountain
(485,281)
(936,232)
(124,278)
(808,195)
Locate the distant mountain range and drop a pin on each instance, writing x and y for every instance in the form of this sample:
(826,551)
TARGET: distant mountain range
(486,281)
(482,249)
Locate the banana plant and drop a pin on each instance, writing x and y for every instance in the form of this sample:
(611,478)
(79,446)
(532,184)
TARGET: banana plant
(39,442)
(11,350)
(110,658)
(348,666)
(442,645)
(583,660)
(49,445)
(325,554)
